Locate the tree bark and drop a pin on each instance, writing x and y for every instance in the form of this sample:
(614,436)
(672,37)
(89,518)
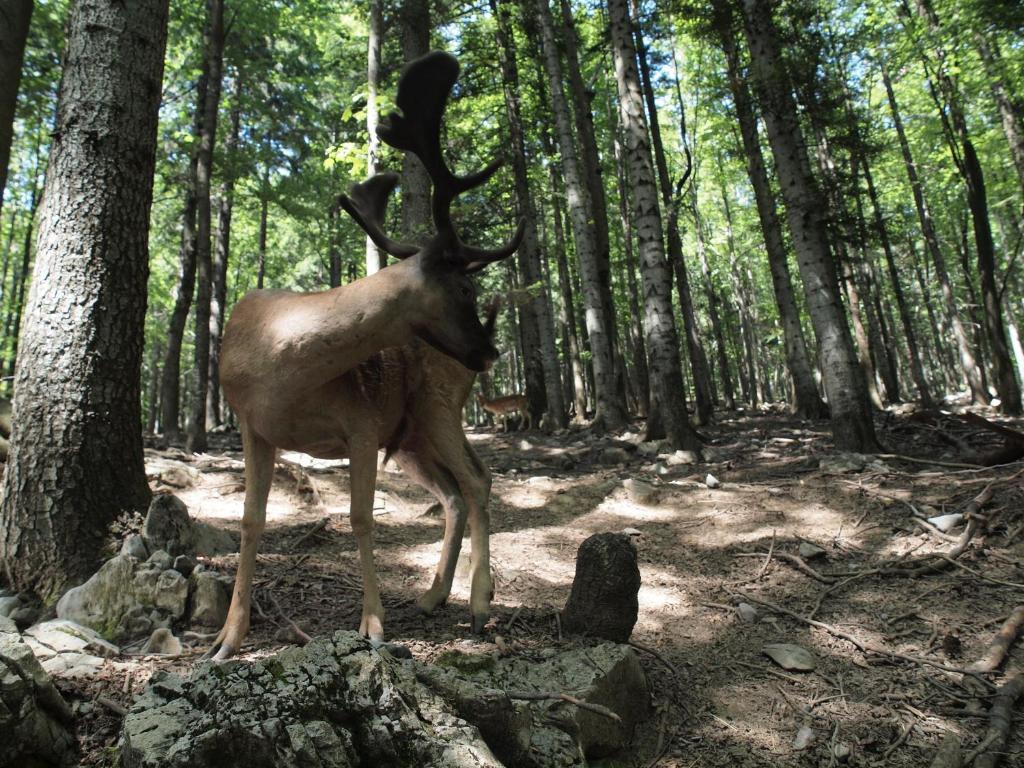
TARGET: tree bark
(376,259)
(550,400)
(852,425)
(610,412)
(261,242)
(1009,109)
(15,16)
(214,45)
(414,22)
(76,454)
(968,362)
(666,377)
(807,403)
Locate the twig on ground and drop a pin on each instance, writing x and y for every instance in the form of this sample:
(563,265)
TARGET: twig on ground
(551,696)
(515,615)
(113,706)
(1001,643)
(989,752)
(655,654)
(798,562)
(932,462)
(981,575)
(300,635)
(319,526)
(768,559)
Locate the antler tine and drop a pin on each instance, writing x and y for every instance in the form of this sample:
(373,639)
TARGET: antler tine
(478,258)
(423,91)
(367,202)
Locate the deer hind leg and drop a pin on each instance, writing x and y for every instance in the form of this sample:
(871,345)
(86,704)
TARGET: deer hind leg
(475,480)
(259,473)
(363,471)
(437,479)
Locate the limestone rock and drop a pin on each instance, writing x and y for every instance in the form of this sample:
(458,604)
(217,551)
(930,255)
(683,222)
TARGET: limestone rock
(168,526)
(640,492)
(794,658)
(211,598)
(63,636)
(163,642)
(211,541)
(123,593)
(135,546)
(336,703)
(184,565)
(681,458)
(34,718)
(712,482)
(603,601)
(9,604)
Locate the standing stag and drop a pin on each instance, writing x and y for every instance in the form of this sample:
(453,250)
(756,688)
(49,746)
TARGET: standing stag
(343,373)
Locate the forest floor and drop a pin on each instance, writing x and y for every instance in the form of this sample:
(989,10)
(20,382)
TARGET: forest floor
(895,620)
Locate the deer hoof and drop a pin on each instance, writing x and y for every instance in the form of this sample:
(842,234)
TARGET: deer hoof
(479,622)
(219,651)
(396,650)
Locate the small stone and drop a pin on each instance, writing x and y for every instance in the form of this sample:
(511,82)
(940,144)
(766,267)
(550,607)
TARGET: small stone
(160,560)
(809,551)
(176,477)
(163,642)
(842,751)
(681,458)
(791,657)
(25,616)
(61,636)
(747,612)
(615,455)
(711,481)
(632,531)
(640,492)
(184,565)
(9,604)
(654,447)
(134,546)
(168,526)
(804,738)
(842,463)
(659,469)
(211,598)
(524,445)
(946,523)
(711,455)
(73,665)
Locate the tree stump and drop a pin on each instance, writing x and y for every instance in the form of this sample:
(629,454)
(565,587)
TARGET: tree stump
(603,601)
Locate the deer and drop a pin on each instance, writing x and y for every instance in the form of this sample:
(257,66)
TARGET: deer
(503,406)
(386,361)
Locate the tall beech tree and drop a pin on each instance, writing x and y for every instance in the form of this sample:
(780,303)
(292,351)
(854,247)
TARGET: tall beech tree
(76,451)
(852,424)
(15,16)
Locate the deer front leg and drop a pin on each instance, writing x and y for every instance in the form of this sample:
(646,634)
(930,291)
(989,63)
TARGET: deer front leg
(259,473)
(363,471)
(476,485)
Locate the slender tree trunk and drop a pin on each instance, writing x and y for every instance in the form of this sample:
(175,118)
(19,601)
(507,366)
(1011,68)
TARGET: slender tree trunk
(807,403)
(15,16)
(214,45)
(414,23)
(222,257)
(852,425)
(261,243)
(376,259)
(610,411)
(974,181)
(968,362)
(1009,109)
(12,324)
(153,390)
(76,453)
(745,300)
(666,378)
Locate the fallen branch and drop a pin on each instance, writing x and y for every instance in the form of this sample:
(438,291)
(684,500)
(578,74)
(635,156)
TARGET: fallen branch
(112,705)
(989,752)
(549,696)
(319,526)
(300,635)
(798,562)
(1001,643)
(768,559)
(655,654)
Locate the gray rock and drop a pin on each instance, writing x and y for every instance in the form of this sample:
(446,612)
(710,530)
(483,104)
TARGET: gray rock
(34,718)
(211,541)
(654,447)
(640,492)
(842,463)
(160,560)
(135,546)
(809,551)
(211,597)
(9,604)
(681,458)
(336,702)
(712,482)
(122,591)
(795,658)
(74,665)
(747,612)
(163,642)
(711,455)
(184,565)
(61,636)
(25,616)
(946,523)
(168,526)
(614,455)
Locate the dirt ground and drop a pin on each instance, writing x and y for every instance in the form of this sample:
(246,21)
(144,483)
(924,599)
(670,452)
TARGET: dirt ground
(896,623)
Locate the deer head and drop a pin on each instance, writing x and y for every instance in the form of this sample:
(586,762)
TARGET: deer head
(445,316)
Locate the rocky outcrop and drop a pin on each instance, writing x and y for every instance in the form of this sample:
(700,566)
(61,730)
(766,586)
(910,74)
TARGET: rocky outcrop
(34,718)
(339,702)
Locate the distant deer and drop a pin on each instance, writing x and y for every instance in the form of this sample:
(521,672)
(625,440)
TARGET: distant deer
(504,406)
(344,373)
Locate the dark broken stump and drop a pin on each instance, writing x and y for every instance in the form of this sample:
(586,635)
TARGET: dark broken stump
(603,601)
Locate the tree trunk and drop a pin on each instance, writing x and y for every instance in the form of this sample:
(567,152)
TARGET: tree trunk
(15,15)
(610,412)
(666,378)
(1009,110)
(974,182)
(12,326)
(261,243)
(76,454)
(376,259)
(968,362)
(414,21)
(590,163)
(807,403)
(214,45)
(222,257)
(852,425)
(538,310)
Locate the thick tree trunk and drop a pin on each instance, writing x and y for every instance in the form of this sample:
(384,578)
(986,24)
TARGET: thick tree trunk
(76,453)
(414,23)
(666,378)
(852,425)
(610,412)
(807,403)
(542,354)
(221,260)
(968,362)
(214,45)
(15,16)
(376,259)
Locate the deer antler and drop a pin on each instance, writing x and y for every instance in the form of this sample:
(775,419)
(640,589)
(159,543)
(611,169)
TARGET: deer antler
(366,202)
(423,91)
